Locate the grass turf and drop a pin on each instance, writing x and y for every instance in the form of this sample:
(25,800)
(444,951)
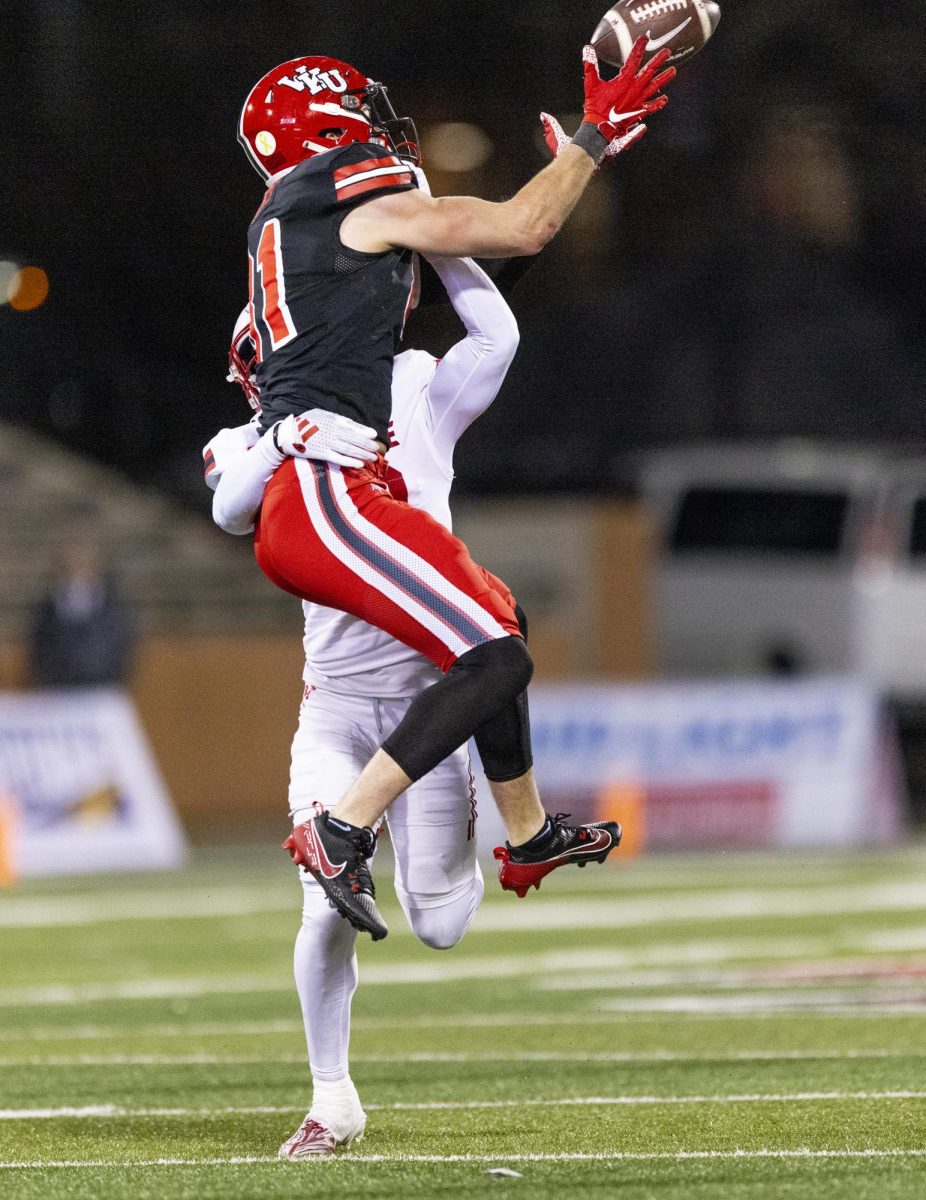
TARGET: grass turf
(728,1027)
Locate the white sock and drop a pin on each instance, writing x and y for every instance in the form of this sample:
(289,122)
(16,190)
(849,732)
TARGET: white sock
(336,1105)
(325,968)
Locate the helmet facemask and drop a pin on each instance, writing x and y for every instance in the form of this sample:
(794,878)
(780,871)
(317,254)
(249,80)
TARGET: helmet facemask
(400,133)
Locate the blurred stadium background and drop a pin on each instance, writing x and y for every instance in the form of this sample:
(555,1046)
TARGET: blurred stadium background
(705,477)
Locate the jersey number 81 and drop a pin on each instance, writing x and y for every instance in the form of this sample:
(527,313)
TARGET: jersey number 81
(271,321)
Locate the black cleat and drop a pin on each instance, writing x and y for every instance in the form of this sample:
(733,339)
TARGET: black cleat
(525,865)
(336,854)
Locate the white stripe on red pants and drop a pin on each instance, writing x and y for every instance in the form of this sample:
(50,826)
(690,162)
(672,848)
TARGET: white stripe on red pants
(339,538)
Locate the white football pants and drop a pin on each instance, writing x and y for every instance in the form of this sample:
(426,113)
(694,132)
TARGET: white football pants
(432,827)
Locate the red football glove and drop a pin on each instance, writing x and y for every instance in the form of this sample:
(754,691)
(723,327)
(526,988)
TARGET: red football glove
(556,137)
(613,107)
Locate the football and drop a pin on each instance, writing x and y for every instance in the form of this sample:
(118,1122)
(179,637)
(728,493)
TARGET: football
(684,26)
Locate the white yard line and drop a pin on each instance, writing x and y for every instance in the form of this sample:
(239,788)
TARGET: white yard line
(883,975)
(576,969)
(608,911)
(549,971)
(110,1033)
(219,901)
(906,1000)
(628,1156)
(451,1056)
(454,1021)
(140,989)
(625,912)
(112,1110)
(901,939)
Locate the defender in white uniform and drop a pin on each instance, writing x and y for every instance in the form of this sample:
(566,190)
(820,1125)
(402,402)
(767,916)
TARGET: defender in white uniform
(359,682)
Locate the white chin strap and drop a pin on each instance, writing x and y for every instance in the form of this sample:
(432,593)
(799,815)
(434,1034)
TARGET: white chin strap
(335,110)
(318,147)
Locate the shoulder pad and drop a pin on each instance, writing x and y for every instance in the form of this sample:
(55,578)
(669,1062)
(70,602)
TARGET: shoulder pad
(365,170)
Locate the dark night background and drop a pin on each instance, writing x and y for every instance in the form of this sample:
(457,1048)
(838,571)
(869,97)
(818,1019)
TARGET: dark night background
(754,268)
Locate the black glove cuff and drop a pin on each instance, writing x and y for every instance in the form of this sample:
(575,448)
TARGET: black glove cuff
(590,139)
(276,440)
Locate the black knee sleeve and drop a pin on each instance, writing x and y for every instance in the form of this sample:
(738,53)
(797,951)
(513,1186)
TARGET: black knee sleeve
(479,686)
(508,662)
(504,743)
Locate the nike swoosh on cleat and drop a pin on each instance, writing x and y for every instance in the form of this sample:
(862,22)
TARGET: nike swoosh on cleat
(655,43)
(322,861)
(602,840)
(617,118)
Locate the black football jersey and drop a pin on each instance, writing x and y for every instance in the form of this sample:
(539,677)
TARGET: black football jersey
(326,319)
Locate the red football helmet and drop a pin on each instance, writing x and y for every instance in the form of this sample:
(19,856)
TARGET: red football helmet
(242,359)
(308,105)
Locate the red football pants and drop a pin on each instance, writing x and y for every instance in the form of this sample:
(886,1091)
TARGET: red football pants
(336,536)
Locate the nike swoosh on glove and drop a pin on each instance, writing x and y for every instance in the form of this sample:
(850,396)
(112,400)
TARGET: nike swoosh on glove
(613,107)
(326,436)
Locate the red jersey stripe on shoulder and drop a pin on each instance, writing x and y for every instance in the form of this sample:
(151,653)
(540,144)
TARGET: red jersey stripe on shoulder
(377,183)
(369,173)
(368,164)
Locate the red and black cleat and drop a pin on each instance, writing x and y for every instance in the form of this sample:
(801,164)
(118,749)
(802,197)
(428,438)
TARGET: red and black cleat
(336,855)
(523,866)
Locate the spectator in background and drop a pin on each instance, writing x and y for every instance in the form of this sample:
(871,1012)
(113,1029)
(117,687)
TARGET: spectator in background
(81,634)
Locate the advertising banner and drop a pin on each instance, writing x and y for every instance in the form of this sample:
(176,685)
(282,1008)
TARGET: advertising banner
(87,795)
(744,764)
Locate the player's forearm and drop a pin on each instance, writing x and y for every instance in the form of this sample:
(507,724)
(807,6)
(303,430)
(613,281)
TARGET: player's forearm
(241,489)
(468,377)
(478,303)
(541,207)
(463,226)
(520,226)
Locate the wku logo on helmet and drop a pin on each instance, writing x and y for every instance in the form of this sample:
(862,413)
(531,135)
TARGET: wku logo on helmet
(315,80)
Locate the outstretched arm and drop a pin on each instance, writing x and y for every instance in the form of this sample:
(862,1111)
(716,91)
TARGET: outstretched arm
(463,225)
(467,378)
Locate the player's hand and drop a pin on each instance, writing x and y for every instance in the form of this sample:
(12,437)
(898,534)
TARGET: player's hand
(553,133)
(556,137)
(326,436)
(614,107)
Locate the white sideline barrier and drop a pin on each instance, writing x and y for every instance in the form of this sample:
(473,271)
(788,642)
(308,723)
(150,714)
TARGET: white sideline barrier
(88,792)
(746,764)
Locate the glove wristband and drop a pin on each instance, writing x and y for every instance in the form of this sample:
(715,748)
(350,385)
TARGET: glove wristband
(590,139)
(268,447)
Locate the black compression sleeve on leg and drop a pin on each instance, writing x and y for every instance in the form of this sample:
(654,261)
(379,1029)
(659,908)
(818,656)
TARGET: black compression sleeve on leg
(504,743)
(479,685)
(521,617)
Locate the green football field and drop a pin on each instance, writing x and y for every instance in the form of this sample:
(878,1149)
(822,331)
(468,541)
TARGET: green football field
(699,1028)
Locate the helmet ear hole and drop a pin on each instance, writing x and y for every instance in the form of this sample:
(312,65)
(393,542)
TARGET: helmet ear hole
(334,131)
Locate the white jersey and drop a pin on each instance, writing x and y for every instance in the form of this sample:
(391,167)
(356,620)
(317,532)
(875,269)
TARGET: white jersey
(433,402)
